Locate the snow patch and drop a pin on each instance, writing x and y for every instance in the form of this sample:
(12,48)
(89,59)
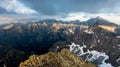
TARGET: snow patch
(91,56)
(89,31)
(106,65)
(57,47)
(117,36)
(84,45)
(98,41)
(118,45)
(118,60)
(113,46)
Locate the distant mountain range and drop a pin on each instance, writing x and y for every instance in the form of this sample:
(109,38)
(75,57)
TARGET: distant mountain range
(88,22)
(20,40)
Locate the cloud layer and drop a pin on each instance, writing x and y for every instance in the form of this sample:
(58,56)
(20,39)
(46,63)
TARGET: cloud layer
(54,7)
(60,9)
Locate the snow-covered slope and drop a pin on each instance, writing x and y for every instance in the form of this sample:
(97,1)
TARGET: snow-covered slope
(91,56)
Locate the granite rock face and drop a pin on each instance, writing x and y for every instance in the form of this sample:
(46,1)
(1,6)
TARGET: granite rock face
(65,58)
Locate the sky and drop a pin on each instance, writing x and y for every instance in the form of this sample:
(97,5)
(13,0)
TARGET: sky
(29,10)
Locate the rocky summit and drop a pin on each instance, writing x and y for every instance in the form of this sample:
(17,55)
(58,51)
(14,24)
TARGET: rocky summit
(65,58)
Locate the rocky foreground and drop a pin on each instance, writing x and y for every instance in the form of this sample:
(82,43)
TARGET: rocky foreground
(65,58)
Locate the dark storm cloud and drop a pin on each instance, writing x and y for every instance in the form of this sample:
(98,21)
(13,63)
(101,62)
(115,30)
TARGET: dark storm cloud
(3,11)
(58,9)
(63,7)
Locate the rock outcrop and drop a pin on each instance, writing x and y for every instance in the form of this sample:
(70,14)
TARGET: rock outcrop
(65,58)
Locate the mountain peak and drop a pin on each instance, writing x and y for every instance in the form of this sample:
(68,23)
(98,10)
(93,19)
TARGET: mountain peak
(98,17)
(100,20)
(8,26)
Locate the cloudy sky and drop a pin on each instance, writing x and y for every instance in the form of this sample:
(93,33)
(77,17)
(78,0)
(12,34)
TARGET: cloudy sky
(28,10)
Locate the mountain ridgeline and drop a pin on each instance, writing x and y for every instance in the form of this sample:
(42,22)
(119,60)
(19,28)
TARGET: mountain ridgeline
(36,36)
(20,40)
